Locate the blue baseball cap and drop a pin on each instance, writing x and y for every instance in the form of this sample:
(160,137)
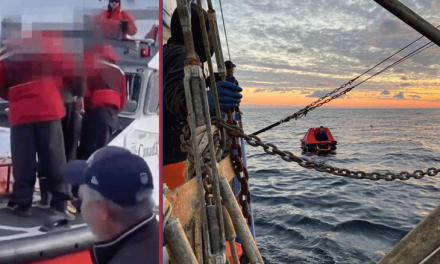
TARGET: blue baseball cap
(114,172)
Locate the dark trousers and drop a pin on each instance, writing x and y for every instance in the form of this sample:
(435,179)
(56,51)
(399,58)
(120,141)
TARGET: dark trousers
(69,127)
(97,126)
(45,140)
(69,124)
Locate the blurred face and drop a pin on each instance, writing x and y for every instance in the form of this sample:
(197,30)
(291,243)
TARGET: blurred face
(322,130)
(95,213)
(114,4)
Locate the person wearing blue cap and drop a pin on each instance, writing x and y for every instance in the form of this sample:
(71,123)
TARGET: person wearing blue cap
(116,191)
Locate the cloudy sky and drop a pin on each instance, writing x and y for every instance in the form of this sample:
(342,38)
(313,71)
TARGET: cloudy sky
(290,52)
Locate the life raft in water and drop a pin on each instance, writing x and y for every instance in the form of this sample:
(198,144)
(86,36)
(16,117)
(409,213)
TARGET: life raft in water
(310,144)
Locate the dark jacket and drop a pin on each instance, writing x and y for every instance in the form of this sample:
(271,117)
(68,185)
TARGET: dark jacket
(174,103)
(217,79)
(321,136)
(139,245)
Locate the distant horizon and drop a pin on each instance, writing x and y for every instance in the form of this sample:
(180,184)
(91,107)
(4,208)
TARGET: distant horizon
(337,107)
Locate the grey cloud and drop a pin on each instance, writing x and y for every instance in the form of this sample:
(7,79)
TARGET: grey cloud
(320,93)
(399,70)
(392,27)
(294,50)
(399,95)
(385,92)
(405,84)
(259,90)
(415,96)
(404,78)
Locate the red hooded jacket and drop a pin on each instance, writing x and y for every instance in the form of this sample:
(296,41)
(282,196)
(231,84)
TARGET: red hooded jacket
(31,79)
(106,84)
(110,22)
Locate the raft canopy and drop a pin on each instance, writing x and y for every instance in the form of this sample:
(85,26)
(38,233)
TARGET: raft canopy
(310,144)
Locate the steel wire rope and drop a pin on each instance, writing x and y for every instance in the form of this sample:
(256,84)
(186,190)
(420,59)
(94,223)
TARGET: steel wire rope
(224,29)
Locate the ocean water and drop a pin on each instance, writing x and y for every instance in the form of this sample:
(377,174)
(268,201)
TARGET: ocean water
(305,216)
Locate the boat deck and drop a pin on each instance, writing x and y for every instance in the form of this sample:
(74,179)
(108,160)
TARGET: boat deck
(13,226)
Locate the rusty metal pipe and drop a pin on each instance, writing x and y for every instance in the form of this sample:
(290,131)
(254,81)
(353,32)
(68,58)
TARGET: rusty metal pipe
(230,234)
(177,243)
(240,225)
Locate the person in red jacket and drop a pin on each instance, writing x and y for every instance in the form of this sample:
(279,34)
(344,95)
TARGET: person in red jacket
(105,97)
(114,19)
(30,82)
(152,34)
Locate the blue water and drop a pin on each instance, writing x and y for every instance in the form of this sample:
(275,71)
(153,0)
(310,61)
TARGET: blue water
(304,216)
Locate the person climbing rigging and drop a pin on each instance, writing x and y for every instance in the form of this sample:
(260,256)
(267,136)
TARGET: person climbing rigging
(174,101)
(230,69)
(229,72)
(321,135)
(114,19)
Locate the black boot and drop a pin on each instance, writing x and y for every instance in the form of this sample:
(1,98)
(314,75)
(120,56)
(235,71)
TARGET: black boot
(44,193)
(21,210)
(61,209)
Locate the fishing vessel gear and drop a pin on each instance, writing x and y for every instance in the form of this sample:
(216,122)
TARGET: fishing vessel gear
(239,222)
(213,90)
(198,116)
(235,150)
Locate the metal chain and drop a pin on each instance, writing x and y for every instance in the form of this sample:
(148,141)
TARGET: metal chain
(241,172)
(236,131)
(207,178)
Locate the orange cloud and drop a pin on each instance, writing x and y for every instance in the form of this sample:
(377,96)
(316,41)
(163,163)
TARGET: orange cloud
(296,99)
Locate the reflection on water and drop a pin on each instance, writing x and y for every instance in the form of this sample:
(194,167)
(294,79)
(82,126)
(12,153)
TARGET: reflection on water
(305,216)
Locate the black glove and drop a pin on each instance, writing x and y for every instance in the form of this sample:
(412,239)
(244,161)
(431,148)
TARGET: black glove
(124,25)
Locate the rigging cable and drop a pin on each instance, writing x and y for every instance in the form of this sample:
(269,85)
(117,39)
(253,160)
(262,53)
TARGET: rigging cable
(224,29)
(312,105)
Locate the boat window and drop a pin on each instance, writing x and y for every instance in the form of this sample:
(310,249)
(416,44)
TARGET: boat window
(152,103)
(134,82)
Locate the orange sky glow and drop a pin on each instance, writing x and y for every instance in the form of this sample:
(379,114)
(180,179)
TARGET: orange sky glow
(295,99)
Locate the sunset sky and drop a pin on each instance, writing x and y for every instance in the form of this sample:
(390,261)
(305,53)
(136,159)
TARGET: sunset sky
(290,52)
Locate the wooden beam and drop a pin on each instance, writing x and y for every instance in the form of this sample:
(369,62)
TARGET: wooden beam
(417,244)
(185,198)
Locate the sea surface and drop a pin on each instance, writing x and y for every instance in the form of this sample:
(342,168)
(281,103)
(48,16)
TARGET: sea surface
(305,216)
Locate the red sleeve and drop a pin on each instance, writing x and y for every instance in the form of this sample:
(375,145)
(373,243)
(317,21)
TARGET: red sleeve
(132,30)
(108,27)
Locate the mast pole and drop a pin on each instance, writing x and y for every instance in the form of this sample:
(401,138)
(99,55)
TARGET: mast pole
(411,19)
